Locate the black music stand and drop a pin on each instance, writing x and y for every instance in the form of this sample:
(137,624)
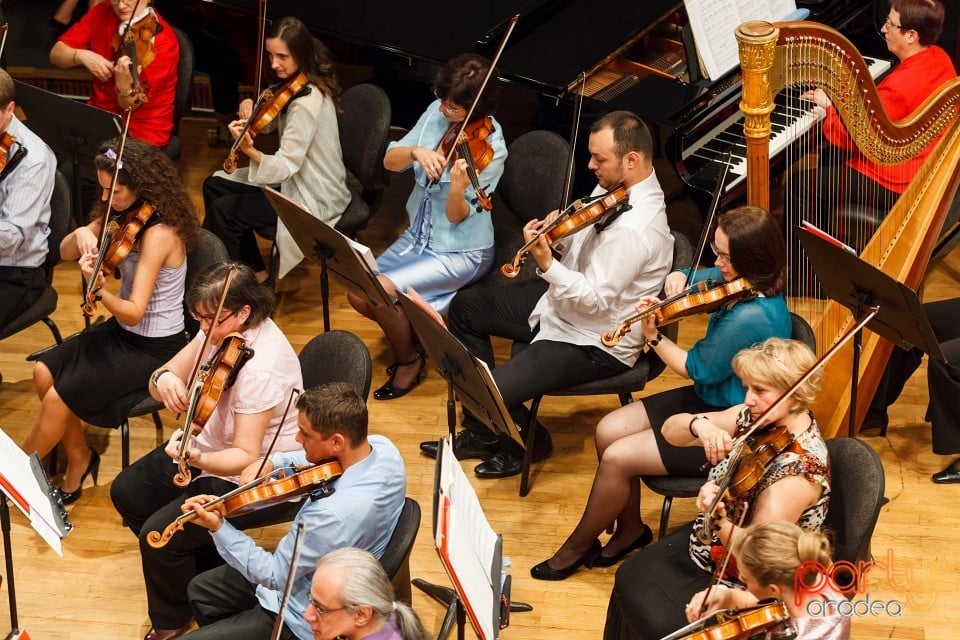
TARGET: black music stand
(333,250)
(73,129)
(857,285)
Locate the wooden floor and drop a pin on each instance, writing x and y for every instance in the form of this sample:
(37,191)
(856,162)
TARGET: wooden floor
(96,589)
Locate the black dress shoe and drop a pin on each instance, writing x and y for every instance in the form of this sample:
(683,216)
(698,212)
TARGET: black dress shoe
(504,465)
(643,540)
(544,571)
(950,475)
(466,445)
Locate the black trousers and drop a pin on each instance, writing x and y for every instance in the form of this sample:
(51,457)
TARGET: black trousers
(943,378)
(20,287)
(226,606)
(147,500)
(476,314)
(233,211)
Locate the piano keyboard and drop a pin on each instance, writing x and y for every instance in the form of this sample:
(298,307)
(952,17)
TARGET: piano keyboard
(788,124)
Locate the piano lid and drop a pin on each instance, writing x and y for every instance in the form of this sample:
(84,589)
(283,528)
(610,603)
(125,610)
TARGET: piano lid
(555,39)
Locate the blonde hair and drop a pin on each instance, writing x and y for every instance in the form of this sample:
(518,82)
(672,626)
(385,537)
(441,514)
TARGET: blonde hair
(780,362)
(773,551)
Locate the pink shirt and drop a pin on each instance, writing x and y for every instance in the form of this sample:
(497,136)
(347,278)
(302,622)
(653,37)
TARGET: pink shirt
(264,382)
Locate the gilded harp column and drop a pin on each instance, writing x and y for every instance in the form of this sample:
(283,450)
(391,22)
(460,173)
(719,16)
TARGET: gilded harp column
(757,42)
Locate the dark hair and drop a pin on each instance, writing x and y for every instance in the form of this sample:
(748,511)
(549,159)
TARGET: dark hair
(244,290)
(7,92)
(150,174)
(757,250)
(460,79)
(335,407)
(312,56)
(923,16)
(629,133)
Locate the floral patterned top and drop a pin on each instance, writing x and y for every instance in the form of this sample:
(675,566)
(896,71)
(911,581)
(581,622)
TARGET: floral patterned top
(812,461)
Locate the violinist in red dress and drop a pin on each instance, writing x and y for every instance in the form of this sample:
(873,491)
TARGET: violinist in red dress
(248,413)
(749,247)
(145,82)
(449,242)
(606,267)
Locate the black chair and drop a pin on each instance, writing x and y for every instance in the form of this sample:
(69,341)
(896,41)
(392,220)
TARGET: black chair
(530,188)
(856,496)
(671,487)
(337,356)
(623,385)
(184,91)
(396,557)
(364,123)
(208,250)
(43,308)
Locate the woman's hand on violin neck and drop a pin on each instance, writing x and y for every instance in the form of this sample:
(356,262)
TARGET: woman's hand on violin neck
(209,519)
(459,179)
(87,263)
(245,110)
(708,493)
(648,324)
(122,74)
(249,472)
(674,283)
(173,449)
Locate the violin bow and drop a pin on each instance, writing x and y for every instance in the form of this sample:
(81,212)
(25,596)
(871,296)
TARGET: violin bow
(574,130)
(711,214)
(722,567)
(483,85)
(3,41)
(261,40)
(294,393)
(288,587)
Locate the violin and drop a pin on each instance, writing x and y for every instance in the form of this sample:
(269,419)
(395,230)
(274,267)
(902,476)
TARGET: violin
(472,145)
(278,486)
(738,624)
(121,234)
(215,377)
(271,102)
(572,219)
(8,162)
(137,43)
(705,297)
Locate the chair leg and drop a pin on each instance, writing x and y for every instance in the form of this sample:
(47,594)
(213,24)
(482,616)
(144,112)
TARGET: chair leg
(125,443)
(625,398)
(159,426)
(53,329)
(528,452)
(274,265)
(665,515)
(325,294)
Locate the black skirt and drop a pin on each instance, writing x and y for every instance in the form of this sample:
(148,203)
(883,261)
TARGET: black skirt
(679,461)
(102,373)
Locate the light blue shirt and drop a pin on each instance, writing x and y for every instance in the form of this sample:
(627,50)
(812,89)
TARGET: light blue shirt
(476,230)
(362,512)
(25,201)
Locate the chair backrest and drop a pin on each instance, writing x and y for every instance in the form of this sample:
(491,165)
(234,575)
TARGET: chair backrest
(396,557)
(207,250)
(337,356)
(61,215)
(181,102)
(855,498)
(800,330)
(364,123)
(533,174)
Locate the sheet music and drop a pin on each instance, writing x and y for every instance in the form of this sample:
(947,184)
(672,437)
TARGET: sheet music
(365,253)
(468,545)
(714,24)
(18,481)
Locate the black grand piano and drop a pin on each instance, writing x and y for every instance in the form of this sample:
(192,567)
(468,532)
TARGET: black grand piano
(637,55)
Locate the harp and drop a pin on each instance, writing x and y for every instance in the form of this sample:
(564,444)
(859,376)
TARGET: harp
(783,55)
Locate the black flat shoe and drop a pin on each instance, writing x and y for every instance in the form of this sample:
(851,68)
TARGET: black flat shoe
(643,540)
(466,445)
(93,468)
(390,392)
(544,571)
(950,475)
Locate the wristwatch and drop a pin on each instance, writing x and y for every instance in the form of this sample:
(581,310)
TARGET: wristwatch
(155,378)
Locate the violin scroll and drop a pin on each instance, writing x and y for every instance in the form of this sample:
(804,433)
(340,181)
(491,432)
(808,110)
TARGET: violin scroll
(512,269)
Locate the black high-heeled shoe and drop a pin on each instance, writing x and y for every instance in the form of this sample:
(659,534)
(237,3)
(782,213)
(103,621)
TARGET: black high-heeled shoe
(642,540)
(544,571)
(390,392)
(392,367)
(93,469)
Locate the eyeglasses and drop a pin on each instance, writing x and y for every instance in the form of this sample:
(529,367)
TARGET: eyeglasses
(208,318)
(320,610)
(888,22)
(449,106)
(722,257)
